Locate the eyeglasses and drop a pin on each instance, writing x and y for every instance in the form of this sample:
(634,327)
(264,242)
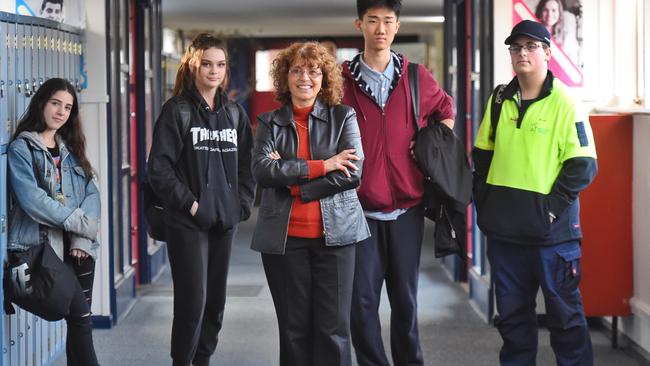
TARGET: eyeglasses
(312,73)
(529,47)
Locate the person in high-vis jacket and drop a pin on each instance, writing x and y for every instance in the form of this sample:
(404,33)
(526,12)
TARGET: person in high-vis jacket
(530,167)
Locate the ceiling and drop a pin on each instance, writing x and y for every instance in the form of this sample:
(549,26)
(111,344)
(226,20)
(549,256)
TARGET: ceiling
(272,18)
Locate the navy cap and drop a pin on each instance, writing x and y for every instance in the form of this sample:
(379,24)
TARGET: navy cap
(531,29)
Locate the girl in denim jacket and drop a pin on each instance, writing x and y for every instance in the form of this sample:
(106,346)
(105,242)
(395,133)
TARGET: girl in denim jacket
(59,205)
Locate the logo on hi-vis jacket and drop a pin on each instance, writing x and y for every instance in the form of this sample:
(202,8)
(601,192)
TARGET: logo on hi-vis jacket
(200,134)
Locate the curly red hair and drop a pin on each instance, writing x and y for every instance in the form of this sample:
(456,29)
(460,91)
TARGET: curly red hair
(311,54)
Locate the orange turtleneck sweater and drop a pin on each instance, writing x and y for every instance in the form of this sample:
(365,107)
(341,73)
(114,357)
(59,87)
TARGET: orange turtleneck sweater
(305,220)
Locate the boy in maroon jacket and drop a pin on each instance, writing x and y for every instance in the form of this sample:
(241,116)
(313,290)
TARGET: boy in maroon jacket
(376,85)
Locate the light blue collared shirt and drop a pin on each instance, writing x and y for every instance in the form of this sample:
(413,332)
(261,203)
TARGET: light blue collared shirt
(378,82)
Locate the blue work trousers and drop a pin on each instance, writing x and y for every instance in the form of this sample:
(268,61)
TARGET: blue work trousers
(518,272)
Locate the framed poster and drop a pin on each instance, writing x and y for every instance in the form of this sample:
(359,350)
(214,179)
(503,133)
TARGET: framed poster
(563,19)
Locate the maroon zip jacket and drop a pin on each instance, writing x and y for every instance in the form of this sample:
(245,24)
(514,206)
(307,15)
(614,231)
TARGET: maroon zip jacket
(391,179)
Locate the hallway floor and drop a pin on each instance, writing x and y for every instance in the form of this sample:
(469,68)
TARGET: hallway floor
(451,332)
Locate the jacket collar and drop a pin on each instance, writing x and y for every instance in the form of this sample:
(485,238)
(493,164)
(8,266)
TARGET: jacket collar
(354,71)
(512,88)
(284,115)
(35,141)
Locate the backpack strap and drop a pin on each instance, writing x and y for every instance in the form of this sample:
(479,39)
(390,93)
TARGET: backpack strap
(414,84)
(186,114)
(497,102)
(233,110)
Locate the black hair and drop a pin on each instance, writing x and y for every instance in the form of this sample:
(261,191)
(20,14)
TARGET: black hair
(364,5)
(32,120)
(51,1)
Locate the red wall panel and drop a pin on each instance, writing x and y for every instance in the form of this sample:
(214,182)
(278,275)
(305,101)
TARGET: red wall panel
(606,216)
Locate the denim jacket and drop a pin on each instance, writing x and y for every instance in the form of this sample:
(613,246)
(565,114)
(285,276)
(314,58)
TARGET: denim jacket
(78,215)
(331,130)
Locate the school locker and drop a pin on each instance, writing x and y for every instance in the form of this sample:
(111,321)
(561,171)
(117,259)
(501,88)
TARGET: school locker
(60,45)
(4,117)
(10,90)
(3,234)
(49,59)
(66,55)
(27,62)
(19,71)
(41,56)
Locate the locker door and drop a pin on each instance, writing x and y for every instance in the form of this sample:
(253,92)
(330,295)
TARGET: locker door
(27,62)
(33,50)
(41,56)
(28,338)
(11,44)
(68,57)
(4,64)
(19,73)
(75,64)
(49,61)
(63,67)
(3,234)
(60,38)
(55,53)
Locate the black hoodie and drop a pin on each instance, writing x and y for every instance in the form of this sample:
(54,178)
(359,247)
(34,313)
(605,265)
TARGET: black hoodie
(209,163)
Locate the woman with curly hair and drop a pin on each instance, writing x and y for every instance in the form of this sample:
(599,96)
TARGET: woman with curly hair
(307,159)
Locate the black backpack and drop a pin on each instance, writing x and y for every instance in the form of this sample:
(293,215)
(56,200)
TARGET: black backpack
(154,211)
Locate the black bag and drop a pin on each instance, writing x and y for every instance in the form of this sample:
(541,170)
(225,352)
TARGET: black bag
(154,211)
(36,279)
(39,282)
(449,236)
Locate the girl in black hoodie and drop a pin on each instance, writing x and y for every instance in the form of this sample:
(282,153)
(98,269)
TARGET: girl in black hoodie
(199,166)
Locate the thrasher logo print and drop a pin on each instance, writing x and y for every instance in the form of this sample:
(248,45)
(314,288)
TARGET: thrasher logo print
(201,135)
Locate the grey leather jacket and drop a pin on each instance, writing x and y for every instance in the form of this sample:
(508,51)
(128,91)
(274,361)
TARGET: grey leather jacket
(331,130)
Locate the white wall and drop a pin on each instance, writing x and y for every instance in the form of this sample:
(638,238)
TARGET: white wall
(502,27)
(637,326)
(93,111)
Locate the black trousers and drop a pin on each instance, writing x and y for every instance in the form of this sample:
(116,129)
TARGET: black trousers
(79,347)
(311,287)
(390,254)
(199,263)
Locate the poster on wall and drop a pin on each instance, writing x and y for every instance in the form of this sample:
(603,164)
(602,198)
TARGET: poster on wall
(69,12)
(563,19)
